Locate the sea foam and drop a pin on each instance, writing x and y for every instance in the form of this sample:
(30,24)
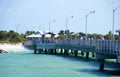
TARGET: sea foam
(12,47)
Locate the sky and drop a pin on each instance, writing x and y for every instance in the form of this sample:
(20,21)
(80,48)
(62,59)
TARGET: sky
(24,15)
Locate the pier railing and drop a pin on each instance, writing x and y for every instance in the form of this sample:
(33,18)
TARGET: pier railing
(111,47)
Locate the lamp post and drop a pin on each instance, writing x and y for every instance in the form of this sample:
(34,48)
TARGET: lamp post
(67,25)
(91,12)
(50,24)
(114,10)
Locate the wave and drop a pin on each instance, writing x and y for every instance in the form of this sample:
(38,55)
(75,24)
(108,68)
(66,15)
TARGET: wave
(12,47)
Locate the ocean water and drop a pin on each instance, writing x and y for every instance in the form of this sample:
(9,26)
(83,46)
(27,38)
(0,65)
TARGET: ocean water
(26,64)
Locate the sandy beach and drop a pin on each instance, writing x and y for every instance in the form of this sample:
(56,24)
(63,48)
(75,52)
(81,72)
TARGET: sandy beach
(12,47)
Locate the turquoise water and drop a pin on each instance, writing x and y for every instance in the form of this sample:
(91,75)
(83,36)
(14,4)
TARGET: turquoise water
(26,64)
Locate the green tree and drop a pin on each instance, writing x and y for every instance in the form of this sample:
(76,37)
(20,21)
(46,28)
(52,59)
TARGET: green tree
(22,37)
(116,37)
(108,36)
(79,35)
(3,35)
(69,34)
(96,36)
(14,37)
(61,34)
(29,32)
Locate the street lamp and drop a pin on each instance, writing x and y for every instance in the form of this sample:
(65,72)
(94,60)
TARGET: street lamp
(91,12)
(67,21)
(114,10)
(67,24)
(50,23)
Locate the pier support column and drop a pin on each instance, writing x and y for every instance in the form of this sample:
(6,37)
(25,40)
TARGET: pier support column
(45,51)
(82,53)
(87,55)
(72,52)
(40,50)
(65,52)
(55,50)
(101,64)
(76,53)
(61,51)
(51,51)
(93,55)
(35,50)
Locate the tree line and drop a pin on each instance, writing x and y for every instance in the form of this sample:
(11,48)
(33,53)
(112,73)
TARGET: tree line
(62,34)
(14,37)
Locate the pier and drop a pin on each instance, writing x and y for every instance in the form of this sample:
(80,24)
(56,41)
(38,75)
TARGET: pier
(100,49)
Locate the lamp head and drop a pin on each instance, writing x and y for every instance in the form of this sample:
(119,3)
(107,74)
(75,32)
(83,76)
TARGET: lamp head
(92,12)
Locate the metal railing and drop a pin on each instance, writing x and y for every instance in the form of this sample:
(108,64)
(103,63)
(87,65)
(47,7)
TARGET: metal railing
(111,47)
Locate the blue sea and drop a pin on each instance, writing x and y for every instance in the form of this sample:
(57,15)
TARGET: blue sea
(27,64)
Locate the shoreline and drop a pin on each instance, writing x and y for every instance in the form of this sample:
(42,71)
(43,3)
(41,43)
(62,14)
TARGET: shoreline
(12,47)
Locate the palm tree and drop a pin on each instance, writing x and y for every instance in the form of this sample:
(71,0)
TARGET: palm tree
(61,34)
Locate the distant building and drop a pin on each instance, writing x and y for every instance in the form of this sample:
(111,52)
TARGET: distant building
(43,36)
(36,36)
